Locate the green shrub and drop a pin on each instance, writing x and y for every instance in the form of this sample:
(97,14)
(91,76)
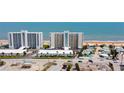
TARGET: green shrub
(26,66)
(2,63)
(77,67)
(69,67)
(48,65)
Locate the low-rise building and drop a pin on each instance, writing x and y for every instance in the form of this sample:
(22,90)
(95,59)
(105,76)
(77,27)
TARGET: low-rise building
(55,52)
(11,52)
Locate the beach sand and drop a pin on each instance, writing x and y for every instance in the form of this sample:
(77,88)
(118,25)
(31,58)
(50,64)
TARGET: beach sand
(116,43)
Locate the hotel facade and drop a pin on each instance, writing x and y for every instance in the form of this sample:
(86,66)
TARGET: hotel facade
(27,39)
(66,39)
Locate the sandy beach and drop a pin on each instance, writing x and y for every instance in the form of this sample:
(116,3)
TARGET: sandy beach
(93,42)
(3,42)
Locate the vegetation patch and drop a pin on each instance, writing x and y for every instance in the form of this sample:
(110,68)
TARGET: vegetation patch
(2,63)
(26,66)
(48,65)
(69,66)
(9,57)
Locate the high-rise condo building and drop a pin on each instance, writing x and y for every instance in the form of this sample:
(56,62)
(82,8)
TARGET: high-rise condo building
(66,39)
(56,40)
(24,38)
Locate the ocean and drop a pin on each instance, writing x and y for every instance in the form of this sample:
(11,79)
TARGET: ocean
(104,31)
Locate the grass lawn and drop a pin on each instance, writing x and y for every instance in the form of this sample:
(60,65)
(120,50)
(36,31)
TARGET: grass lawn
(10,57)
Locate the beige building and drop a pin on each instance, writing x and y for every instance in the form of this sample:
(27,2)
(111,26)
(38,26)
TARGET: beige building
(66,39)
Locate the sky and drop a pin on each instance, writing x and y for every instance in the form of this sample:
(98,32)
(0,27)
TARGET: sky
(91,30)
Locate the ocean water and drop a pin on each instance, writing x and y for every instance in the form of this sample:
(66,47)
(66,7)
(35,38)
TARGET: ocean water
(92,30)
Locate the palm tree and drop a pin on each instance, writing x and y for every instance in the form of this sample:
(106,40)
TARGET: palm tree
(11,54)
(57,52)
(111,47)
(114,54)
(24,53)
(70,54)
(63,53)
(47,53)
(3,53)
(41,54)
(17,54)
(77,67)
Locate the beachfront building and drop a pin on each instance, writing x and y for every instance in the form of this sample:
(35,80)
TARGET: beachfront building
(56,40)
(66,40)
(33,40)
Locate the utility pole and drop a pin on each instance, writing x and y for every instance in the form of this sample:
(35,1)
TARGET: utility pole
(121,64)
(121,61)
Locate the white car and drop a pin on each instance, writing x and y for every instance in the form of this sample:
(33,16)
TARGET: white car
(104,55)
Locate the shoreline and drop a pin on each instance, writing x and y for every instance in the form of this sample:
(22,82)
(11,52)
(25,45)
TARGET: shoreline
(84,40)
(103,40)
